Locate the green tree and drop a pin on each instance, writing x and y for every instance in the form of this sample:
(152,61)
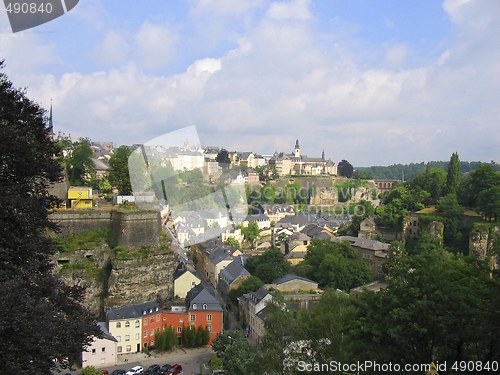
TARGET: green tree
(483,178)
(104,185)
(119,175)
(280,330)
(236,355)
(251,232)
(345,169)
(29,162)
(362,175)
(79,164)
(233,242)
(188,336)
(272,265)
(251,284)
(90,370)
(324,329)
(453,176)
(453,213)
(488,203)
(216,364)
(435,309)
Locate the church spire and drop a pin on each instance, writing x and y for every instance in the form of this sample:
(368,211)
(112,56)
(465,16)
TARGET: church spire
(323,155)
(51,125)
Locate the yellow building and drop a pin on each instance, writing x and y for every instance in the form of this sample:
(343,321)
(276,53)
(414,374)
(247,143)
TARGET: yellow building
(80,197)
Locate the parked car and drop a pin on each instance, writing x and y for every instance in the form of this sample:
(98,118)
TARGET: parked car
(105,372)
(174,370)
(136,370)
(164,369)
(119,372)
(152,370)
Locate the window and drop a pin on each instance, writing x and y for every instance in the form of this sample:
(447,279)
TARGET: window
(127,338)
(152,320)
(209,328)
(129,348)
(127,324)
(151,332)
(151,343)
(158,317)
(145,334)
(179,330)
(93,351)
(118,338)
(119,349)
(181,320)
(137,336)
(158,329)
(146,321)
(118,325)
(195,306)
(137,324)
(192,317)
(204,306)
(103,350)
(209,317)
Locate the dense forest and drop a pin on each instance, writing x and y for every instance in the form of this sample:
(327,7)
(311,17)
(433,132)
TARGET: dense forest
(410,171)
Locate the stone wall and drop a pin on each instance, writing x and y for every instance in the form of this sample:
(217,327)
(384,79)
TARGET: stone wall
(482,242)
(127,228)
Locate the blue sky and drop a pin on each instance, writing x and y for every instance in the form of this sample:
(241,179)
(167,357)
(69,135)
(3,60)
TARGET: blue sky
(375,82)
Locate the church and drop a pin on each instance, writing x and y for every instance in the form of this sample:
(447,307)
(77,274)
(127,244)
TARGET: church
(297,164)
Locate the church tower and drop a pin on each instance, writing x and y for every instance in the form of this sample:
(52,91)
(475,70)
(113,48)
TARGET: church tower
(51,125)
(296,150)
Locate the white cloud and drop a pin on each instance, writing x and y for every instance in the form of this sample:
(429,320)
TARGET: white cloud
(113,50)
(155,44)
(295,9)
(224,7)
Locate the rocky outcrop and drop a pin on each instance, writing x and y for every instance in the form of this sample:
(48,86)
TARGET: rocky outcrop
(114,278)
(147,278)
(483,243)
(436,230)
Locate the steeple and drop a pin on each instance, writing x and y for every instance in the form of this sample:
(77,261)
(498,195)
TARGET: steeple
(51,126)
(296,150)
(323,155)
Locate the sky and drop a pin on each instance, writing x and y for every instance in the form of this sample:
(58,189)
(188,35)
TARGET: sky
(375,82)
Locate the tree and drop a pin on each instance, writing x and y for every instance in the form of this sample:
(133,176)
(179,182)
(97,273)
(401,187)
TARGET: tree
(119,175)
(345,169)
(236,355)
(453,175)
(79,164)
(223,159)
(28,164)
(251,232)
(453,214)
(362,175)
(271,265)
(233,242)
(437,308)
(90,370)
(488,203)
(251,284)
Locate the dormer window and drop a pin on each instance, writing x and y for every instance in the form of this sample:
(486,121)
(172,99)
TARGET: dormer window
(195,306)
(204,306)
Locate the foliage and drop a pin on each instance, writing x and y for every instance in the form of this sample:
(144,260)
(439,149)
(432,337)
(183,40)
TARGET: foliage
(362,175)
(85,240)
(453,214)
(437,308)
(236,355)
(483,178)
(28,163)
(216,364)
(324,328)
(395,171)
(79,164)
(119,175)
(166,340)
(223,158)
(251,284)
(280,328)
(251,232)
(432,181)
(233,242)
(345,169)
(188,336)
(361,211)
(453,177)
(268,266)
(334,264)
(90,370)
(488,203)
